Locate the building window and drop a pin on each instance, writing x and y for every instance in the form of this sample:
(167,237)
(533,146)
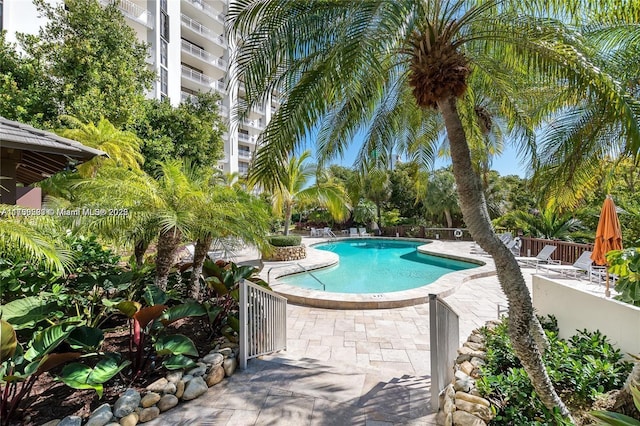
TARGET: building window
(164,81)
(164,26)
(163,5)
(163,52)
(1,15)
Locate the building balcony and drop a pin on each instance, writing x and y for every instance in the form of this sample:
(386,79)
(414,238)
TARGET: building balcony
(203,31)
(132,11)
(208,10)
(203,55)
(244,154)
(198,77)
(246,138)
(220,87)
(256,124)
(184,96)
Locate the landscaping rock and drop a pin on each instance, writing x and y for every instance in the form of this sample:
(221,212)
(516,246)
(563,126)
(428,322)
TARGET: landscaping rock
(225,352)
(180,388)
(198,371)
(158,385)
(174,376)
(462,418)
(53,422)
(215,376)
(473,399)
(214,358)
(231,345)
(474,346)
(476,338)
(169,389)
(71,421)
(129,420)
(167,402)
(186,378)
(100,416)
(449,400)
(149,414)
(464,385)
(149,399)
(477,410)
(229,366)
(194,389)
(466,367)
(127,403)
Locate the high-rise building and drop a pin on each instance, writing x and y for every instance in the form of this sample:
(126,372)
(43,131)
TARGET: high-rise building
(189,52)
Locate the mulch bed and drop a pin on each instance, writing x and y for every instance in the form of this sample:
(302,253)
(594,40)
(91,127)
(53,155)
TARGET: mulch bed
(51,399)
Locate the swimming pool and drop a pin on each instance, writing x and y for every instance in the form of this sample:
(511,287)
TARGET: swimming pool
(376,266)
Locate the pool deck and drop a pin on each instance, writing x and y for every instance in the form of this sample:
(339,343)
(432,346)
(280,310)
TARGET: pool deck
(366,367)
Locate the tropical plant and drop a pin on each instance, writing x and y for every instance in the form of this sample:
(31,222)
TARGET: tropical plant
(20,369)
(549,222)
(440,198)
(291,188)
(385,66)
(122,147)
(625,264)
(223,280)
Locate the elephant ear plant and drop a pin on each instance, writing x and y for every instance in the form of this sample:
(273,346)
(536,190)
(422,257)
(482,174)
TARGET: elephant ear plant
(148,329)
(223,280)
(20,369)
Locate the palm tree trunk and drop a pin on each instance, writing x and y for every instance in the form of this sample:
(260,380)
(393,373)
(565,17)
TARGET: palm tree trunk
(624,399)
(167,244)
(139,250)
(524,328)
(447,216)
(379,214)
(199,254)
(287,218)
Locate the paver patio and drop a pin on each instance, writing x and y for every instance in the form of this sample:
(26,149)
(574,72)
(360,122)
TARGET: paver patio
(342,367)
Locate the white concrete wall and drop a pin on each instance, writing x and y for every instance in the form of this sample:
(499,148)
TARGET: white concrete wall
(576,310)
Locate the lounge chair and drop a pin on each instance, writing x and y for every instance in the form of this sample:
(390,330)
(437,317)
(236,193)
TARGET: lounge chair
(363,232)
(353,232)
(583,264)
(313,232)
(543,256)
(327,232)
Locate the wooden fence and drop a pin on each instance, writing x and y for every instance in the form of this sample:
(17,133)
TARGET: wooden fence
(567,252)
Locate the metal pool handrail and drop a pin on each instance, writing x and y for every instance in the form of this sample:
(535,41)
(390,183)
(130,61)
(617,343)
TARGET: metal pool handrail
(324,287)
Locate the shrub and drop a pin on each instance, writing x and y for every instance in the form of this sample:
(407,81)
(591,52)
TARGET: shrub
(581,369)
(285,240)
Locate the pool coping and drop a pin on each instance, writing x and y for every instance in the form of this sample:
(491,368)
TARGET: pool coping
(316,259)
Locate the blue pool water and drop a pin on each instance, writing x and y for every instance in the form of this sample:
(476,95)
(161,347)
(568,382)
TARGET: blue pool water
(377,266)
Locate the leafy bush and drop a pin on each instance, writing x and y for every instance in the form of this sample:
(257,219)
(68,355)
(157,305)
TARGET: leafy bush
(581,368)
(285,240)
(626,265)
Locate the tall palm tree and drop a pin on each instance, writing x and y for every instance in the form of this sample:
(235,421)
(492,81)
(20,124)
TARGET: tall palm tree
(392,66)
(293,187)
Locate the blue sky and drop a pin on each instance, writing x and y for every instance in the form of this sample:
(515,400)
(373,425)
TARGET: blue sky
(507,164)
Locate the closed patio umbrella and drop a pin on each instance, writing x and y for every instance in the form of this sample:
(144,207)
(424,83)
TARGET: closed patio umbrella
(608,235)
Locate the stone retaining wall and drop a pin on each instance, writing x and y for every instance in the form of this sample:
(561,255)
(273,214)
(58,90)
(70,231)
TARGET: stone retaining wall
(288,253)
(460,402)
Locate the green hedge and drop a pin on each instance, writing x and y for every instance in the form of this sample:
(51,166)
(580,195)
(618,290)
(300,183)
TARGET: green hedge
(285,240)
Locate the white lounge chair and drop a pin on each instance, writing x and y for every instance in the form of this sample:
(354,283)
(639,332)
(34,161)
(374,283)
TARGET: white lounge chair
(313,232)
(363,232)
(353,232)
(583,264)
(327,232)
(543,256)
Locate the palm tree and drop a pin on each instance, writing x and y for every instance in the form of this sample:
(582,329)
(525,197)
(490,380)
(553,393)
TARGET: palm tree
(29,237)
(440,198)
(122,147)
(392,66)
(292,188)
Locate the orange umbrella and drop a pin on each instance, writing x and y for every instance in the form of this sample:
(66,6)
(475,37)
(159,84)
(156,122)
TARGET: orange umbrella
(608,234)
